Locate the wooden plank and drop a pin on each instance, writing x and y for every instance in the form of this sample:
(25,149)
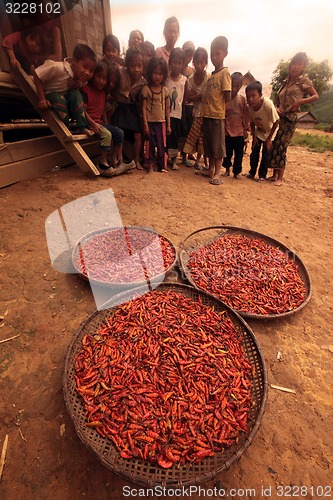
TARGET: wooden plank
(22,126)
(56,125)
(33,167)
(107,16)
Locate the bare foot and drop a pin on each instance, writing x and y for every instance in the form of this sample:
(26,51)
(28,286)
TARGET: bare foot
(277,183)
(226,173)
(150,169)
(272,178)
(237,176)
(87,131)
(175,166)
(139,166)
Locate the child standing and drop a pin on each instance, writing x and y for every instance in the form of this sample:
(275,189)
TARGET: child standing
(127,114)
(171,35)
(148,51)
(189,49)
(52,82)
(111,50)
(216,95)
(177,86)
(236,124)
(264,122)
(136,38)
(196,84)
(156,113)
(94,96)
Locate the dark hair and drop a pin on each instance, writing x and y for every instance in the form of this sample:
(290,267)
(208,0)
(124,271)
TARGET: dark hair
(220,42)
(137,31)
(154,63)
(254,86)
(102,66)
(299,57)
(33,32)
(200,51)
(81,51)
(131,53)
(237,76)
(147,45)
(113,40)
(176,52)
(169,21)
(113,70)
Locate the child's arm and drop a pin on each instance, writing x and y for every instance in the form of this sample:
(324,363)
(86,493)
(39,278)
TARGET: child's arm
(144,117)
(12,59)
(268,141)
(95,127)
(167,114)
(43,103)
(8,45)
(227,95)
(185,98)
(57,46)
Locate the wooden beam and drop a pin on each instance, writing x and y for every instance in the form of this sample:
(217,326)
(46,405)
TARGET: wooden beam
(56,125)
(33,167)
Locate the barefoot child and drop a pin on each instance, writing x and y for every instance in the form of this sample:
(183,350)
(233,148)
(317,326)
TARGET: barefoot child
(156,113)
(236,124)
(177,86)
(216,95)
(52,81)
(264,122)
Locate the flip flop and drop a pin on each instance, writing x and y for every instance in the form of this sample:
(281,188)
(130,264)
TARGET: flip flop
(203,173)
(216,182)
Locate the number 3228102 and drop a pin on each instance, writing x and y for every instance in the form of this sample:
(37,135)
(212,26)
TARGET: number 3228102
(33,8)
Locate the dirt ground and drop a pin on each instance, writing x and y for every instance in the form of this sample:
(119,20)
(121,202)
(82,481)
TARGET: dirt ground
(45,458)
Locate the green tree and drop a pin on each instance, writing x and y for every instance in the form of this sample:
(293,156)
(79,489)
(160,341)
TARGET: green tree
(319,73)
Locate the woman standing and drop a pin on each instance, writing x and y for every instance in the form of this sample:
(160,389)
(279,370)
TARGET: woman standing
(291,96)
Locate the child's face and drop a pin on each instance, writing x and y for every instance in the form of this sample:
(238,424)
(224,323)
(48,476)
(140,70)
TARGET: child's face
(253,98)
(171,34)
(200,64)
(112,83)
(157,76)
(99,80)
(296,69)
(176,65)
(83,69)
(188,56)
(147,55)
(110,52)
(135,39)
(217,56)
(135,68)
(236,86)
(33,44)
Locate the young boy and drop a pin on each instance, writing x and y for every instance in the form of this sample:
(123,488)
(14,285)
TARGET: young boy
(217,93)
(264,123)
(236,125)
(58,85)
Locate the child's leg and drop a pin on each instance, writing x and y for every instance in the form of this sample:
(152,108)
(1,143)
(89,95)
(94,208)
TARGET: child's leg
(265,156)
(59,105)
(117,142)
(238,144)
(137,149)
(254,158)
(229,151)
(160,136)
(77,110)
(106,139)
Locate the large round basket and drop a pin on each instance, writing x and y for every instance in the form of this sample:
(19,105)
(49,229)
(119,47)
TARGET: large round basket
(205,236)
(135,255)
(149,474)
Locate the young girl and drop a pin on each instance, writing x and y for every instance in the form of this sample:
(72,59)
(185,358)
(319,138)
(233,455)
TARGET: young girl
(177,86)
(295,91)
(196,85)
(155,112)
(94,96)
(135,39)
(171,35)
(111,50)
(148,51)
(127,114)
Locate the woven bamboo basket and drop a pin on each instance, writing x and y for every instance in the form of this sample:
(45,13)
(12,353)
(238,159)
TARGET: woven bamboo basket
(207,235)
(150,474)
(121,285)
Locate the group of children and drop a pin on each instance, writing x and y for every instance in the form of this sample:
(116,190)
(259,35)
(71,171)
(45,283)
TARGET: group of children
(160,103)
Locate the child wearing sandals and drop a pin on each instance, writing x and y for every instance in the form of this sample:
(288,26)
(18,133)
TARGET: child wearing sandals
(217,93)
(236,125)
(127,115)
(156,113)
(94,97)
(196,85)
(177,86)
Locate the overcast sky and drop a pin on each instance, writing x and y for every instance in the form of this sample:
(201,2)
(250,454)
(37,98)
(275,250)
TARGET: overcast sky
(260,32)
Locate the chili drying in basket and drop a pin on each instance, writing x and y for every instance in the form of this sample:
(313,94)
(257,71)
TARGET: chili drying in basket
(166,378)
(124,255)
(248,274)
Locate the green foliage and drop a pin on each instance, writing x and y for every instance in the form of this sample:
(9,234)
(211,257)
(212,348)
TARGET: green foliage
(318,143)
(323,108)
(319,73)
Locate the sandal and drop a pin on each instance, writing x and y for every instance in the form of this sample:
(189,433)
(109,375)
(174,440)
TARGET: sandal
(216,182)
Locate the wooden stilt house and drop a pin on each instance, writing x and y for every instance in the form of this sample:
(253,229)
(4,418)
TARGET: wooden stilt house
(32,142)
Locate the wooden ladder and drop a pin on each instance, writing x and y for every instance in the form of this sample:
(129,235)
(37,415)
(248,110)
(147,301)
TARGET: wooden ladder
(69,141)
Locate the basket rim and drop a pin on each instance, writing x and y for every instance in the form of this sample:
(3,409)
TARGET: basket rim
(271,241)
(121,285)
(236,318)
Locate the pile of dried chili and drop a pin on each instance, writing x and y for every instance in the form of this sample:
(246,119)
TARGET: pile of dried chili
(125,255)
(166,378)
(248,274)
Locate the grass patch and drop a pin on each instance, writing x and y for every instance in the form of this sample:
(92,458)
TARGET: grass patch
(318,143)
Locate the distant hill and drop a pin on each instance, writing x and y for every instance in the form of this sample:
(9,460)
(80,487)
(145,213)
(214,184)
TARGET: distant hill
(323,109)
